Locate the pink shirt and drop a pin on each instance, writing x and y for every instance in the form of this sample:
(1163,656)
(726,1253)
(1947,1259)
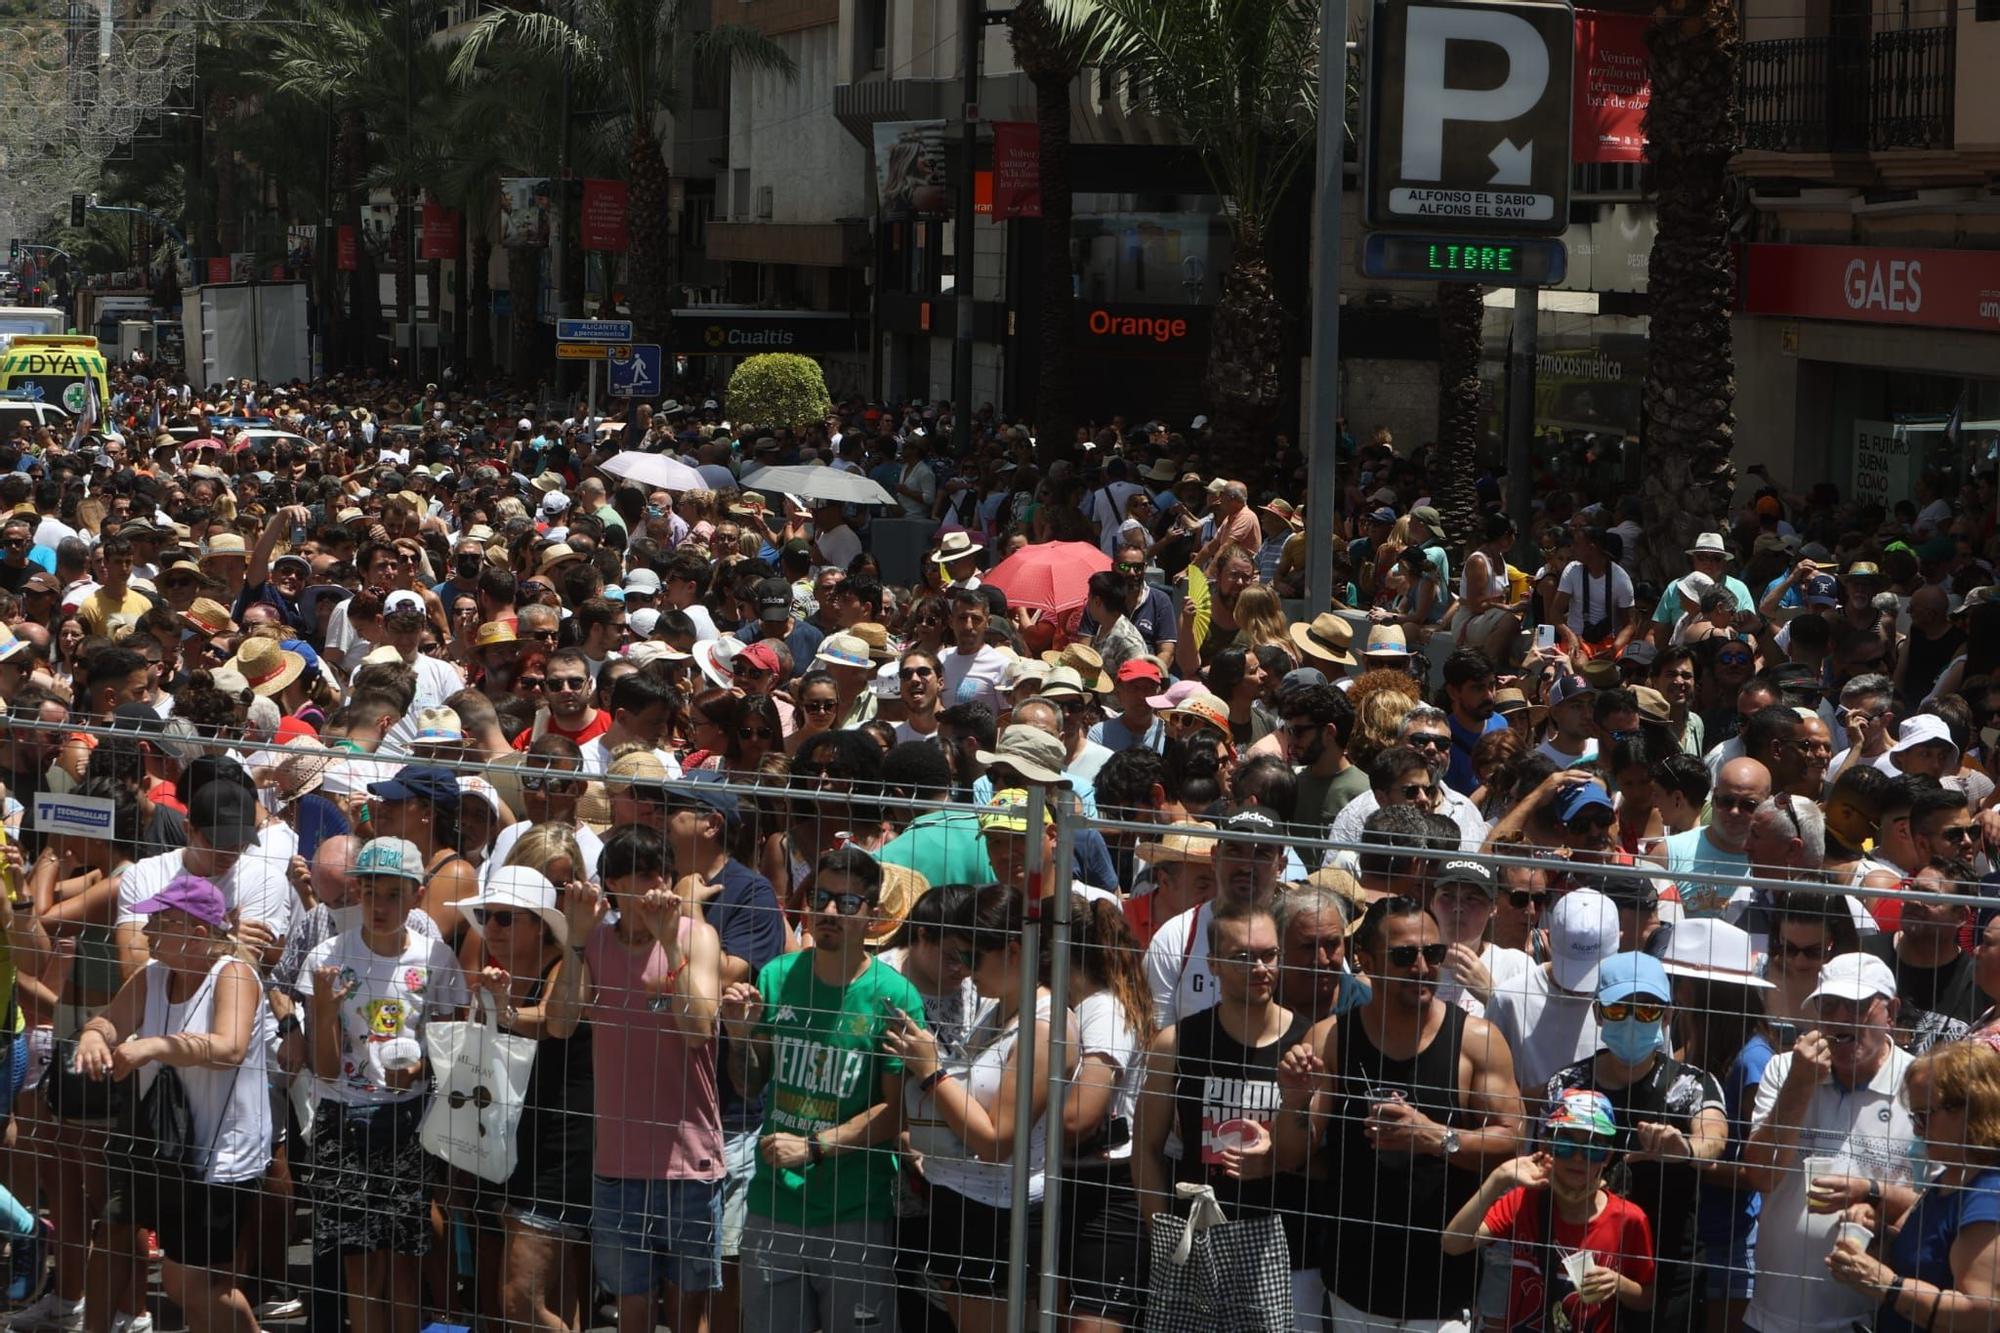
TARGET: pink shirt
(658,1114)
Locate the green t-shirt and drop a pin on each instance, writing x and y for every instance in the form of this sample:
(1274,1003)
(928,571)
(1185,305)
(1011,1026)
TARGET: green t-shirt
(827,1067)
(1320,799)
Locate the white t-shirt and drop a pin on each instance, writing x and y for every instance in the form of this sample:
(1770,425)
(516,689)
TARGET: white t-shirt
(1103,1031)
(255,888)
(597,759)
(1353,817)
(1177,967)
(587,842)
(979,1065)
(1863,1132)
(1107,506)
(381,998)
(1548,1030)
(1088,760)
(1505,966)
(974,679)
(1583,587)
(906,733)
(1548,751)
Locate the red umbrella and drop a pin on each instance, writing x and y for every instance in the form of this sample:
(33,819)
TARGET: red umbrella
(1052,577)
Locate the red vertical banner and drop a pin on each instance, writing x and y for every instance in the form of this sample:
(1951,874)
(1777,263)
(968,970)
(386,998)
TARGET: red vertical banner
(346,250)
(218,268)
(605,209)
(1613,88)
(1017,170)
(440,238)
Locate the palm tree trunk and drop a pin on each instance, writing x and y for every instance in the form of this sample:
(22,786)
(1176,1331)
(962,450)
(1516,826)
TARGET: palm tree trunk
(523,283)
(1053,411)
(406,265)
(479,307)
(364,325)
(1692,130)
(1454,459)
(1244,348)
(652,232)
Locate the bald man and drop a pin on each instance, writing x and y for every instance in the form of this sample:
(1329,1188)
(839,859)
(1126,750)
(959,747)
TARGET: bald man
(1933,642)
(1717,847)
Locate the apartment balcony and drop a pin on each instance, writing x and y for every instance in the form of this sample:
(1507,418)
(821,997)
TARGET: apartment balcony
(1832,97)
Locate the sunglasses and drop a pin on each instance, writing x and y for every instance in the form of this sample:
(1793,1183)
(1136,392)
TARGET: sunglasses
(1412,790)
(1128,568)
(530,682)
(820,705)
(1591,823)
(1406,955)
(565,684)
(1738,804)
(1301,728)
(1432,740)
(1252,958)
(1521,899)
(1732,659)
(747,672)
(502,917)
(1564,1149)
(1967,833)
(549,782)
(1812,953)
(847,904)
(755,734)
(819,771)
(1617,1011)
(1071,705)
(915,673)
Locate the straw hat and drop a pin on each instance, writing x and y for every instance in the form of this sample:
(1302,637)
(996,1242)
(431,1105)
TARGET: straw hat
(1345,887)
(1205,708)
(1328,637)
(901,887)
(223,545)
(877,638)
(1063,683)
(955,546)
(302,767)
(207,616)
(1179,843)
(1386,641)
(438,726)
(557,556)
(494,634)
(265,667)
(1088,664)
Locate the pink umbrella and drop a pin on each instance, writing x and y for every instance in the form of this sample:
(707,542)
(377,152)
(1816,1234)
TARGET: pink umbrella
(203,444)
(1052,577)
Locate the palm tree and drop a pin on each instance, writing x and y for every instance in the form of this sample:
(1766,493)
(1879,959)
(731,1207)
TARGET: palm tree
(1693,128)
(1054,40)
(1454,458)
(1239,81)
(636,47)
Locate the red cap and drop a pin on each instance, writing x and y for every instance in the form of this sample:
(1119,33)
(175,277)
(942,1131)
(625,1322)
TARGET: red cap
(293,728)
(1141,668)
(760,655)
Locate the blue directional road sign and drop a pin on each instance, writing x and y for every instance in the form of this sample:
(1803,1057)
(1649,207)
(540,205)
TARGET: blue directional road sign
(594,330)
(634,371)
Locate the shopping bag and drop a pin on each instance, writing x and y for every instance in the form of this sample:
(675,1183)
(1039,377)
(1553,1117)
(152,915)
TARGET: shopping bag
(1212,1275)
(480,1078)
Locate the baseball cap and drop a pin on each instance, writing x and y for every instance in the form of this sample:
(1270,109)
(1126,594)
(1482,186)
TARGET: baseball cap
(1627,974)
(1140,668)
(760,655)
(641,581)
(1583,932)
(1468,872)
(1007,812)
(419,782)
(397,857)
(1581,797)
(1822,590)
(224,812)
(1567,688)
(1853,976)
(1584,1112)
(700,791)
(1249,819)
(774,599)
(192,894)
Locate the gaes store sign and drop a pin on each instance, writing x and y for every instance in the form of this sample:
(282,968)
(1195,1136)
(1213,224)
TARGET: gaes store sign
(1946,289)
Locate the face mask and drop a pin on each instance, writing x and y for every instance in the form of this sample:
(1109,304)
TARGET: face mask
(1631,1040)
(345,918)
(1920,1160)
(1354,992)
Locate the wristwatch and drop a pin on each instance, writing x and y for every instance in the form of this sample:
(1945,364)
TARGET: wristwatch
(1450,1143)
(289,1024)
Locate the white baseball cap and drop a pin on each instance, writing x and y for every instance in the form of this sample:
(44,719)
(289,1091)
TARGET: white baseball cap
(1583,932)
(1859,977)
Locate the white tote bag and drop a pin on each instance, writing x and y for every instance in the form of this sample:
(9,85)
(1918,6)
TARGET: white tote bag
(481,1080)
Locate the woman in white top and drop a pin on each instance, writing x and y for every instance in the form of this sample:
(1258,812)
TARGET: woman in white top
(198,1010)
(1100,1215)
(960,1112)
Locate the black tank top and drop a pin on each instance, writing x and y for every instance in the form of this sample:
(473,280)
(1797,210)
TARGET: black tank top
(1390,1207)
(1226,1094)
(554,1142)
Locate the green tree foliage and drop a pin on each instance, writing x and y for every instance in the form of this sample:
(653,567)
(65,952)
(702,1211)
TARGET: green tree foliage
(779,389)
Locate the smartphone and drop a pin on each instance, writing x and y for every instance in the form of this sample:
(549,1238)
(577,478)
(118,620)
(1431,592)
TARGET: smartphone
(1545,636)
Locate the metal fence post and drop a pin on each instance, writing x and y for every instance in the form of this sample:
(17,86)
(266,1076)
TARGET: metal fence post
(1024,1088)
(1067,814)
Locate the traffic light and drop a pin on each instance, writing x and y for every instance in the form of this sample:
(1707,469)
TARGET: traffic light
(13,254)
(76,203)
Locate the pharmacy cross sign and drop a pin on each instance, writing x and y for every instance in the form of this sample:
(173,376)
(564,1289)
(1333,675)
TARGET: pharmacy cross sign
(1468,116)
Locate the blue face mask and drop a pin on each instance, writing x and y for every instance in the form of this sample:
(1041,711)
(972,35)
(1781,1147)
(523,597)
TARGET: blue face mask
(1354,992)
(1631,1040)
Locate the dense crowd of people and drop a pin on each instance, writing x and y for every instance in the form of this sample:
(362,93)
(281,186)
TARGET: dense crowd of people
(1493,947)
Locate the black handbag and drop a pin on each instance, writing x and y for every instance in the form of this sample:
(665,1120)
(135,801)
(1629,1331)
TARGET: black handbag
(74,1096)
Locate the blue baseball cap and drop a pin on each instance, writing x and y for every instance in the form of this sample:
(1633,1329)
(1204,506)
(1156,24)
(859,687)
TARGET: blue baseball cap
(1623,975)
(1581,798)
(420,782)
(699,789)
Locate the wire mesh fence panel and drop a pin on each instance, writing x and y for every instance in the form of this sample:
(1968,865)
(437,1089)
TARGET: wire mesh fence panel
(411,1035)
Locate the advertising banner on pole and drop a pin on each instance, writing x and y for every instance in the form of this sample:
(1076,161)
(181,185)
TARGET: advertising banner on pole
(440,238)
(218,268)
(525,205)
(1611,86)
(606,213)
(1017,169)
(346,249)
(909,168)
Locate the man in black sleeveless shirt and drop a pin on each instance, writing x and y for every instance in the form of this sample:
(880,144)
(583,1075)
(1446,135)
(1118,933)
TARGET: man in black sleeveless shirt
(1412,1101)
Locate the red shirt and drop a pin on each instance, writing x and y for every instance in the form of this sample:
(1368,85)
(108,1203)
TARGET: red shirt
(1618,1238)
(600,722)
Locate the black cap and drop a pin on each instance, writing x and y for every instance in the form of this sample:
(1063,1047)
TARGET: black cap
(774,595)
(225,815)
(1250,819)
